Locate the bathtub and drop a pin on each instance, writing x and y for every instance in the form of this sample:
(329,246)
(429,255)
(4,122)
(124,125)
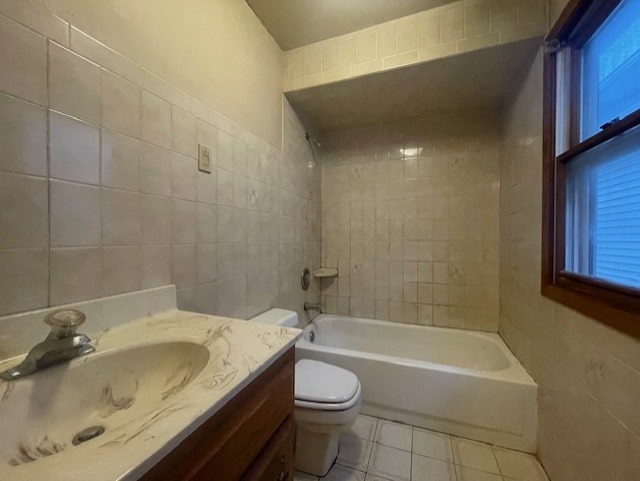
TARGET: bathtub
(464,383)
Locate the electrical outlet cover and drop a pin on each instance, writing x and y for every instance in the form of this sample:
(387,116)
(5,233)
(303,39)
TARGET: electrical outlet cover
(204,158)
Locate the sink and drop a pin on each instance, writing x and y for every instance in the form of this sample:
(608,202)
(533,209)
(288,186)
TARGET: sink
(41,414)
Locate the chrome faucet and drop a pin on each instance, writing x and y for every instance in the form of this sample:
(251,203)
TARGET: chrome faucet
(312,306)
(62,344)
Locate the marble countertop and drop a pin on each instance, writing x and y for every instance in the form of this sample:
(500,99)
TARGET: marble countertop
(238,351)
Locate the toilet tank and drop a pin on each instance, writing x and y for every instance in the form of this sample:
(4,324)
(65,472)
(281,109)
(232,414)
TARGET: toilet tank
(279,317)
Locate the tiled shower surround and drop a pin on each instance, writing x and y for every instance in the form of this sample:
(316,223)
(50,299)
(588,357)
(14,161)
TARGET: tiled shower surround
(101,193)
(410,219)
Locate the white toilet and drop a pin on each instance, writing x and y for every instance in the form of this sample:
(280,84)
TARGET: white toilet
(327,403)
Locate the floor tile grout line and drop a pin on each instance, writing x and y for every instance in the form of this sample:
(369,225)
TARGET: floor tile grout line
(493,452)
(411,458)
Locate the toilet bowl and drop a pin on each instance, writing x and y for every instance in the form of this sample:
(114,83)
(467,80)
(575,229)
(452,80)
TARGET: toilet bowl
(327,403)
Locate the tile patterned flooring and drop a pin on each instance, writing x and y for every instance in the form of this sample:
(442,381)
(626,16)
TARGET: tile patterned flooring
(379,450)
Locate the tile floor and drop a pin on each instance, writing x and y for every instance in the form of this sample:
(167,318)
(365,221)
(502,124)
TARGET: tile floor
(379,450)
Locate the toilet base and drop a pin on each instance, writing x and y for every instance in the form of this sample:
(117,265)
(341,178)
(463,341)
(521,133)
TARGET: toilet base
(315,452)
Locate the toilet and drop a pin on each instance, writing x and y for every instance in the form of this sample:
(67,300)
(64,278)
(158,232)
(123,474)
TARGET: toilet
(327,403)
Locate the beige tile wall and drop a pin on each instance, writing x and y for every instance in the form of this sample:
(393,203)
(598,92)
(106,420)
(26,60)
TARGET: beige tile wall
(410,219)
(455,28)
(100,192)
(216,51)
(588,374)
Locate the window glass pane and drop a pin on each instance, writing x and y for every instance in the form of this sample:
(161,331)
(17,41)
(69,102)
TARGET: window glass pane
(603,211)
(611,69)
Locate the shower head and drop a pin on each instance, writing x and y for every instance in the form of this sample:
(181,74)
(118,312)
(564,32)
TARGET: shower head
(313,141)
(314,144)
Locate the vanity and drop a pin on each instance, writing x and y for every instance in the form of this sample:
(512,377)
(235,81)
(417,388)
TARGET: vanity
(167,395)
(250,439)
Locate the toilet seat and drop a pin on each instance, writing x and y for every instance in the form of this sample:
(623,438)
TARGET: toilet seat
(324,387)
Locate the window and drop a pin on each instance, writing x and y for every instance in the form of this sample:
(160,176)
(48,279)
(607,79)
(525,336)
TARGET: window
(591,198)
(611,69)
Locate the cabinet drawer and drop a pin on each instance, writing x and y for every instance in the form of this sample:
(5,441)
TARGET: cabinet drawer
(275,462)
(225,445)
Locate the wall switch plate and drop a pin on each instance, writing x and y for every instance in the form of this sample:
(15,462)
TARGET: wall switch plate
(204,158)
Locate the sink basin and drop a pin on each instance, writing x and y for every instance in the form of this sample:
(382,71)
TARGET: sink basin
(41,414)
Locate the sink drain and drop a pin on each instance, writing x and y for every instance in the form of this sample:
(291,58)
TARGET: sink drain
(87,434)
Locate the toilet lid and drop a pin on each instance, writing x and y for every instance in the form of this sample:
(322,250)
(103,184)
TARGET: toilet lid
(320,382)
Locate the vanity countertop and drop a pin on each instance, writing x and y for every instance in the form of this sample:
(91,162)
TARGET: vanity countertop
(238,352)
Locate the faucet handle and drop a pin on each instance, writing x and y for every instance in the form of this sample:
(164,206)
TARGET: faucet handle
(64,322)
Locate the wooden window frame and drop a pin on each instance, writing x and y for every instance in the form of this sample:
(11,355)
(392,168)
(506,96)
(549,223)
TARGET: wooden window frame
(615,305)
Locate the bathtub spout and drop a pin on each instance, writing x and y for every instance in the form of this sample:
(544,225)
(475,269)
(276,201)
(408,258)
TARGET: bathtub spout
(312,306)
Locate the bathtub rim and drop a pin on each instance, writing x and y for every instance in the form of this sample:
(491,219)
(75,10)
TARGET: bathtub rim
(514,373)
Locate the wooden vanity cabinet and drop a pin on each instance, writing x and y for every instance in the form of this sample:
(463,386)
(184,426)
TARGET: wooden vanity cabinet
(250,439)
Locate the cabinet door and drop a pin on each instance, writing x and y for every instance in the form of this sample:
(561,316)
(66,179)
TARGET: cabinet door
(275,462)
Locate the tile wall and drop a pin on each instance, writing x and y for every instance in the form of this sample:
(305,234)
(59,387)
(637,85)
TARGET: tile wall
(588,374)
(100,192)
(410,219)
(452,29)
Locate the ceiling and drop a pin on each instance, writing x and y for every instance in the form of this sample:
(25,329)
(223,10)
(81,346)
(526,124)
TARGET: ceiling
(294,23)
(478,80)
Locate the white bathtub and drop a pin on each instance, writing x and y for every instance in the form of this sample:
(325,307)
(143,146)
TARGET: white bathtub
(464,383)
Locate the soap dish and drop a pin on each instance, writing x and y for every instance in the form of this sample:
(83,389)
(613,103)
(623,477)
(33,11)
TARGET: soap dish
(325,272)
